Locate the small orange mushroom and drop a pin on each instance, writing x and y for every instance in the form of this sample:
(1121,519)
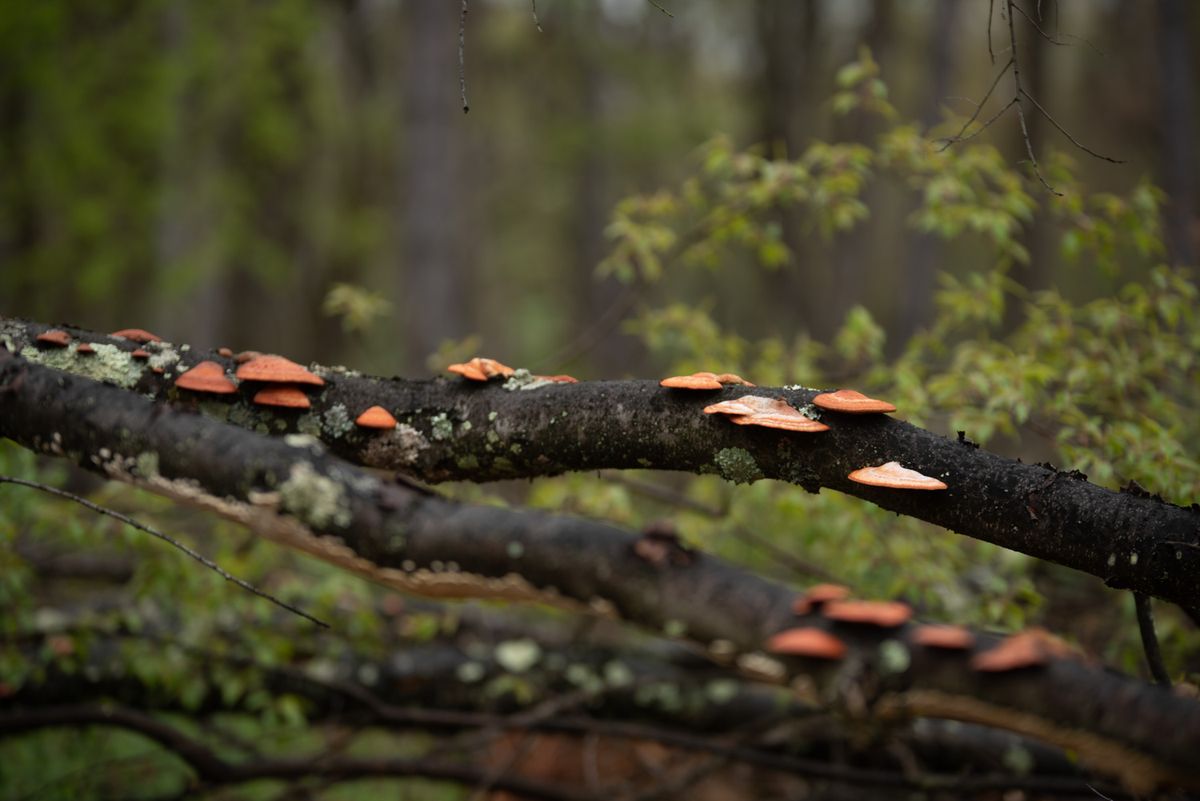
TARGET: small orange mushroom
(247,356)
(276,369)
(481,369)
(376,417)
(140,354)
(819,594)
(851,402)
(1025,649)
(287,396)
(208,377)
(753,410)
(951,638)
(85,349)
(807,641)
(558,379)
(226,352)
(55,337)
(137,335)
(891,474)
(733,378)
(886,614)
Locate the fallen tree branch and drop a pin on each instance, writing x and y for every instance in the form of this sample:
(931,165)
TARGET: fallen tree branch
(452,429)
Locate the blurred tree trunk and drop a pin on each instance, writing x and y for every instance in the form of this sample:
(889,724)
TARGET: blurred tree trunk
(613,352)
(1178,121)
(433,281)
(924,250)
(787,31)
(1031,49)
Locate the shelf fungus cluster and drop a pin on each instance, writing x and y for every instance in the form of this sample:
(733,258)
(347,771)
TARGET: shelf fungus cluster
(284,381)
(704,381)
(894,476)
(753,410)
(481,369)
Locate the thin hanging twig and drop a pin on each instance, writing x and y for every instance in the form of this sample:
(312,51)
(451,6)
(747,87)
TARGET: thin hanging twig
(1145,618)
(462,57)
(129,521)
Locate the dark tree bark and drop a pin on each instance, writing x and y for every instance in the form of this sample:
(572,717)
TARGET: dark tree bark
(1178,119)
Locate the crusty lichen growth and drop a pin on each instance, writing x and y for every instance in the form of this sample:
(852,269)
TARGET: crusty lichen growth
(441,427)
(400,446)
(313,498)
(337,421)
(737,465)
(522,379)
(108,363)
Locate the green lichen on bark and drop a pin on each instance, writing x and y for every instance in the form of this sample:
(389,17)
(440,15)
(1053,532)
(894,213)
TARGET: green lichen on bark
(737,465)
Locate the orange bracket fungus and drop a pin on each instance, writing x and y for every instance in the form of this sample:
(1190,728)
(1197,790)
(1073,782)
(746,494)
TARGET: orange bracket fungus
(951,638)
(752,410)
(376,417)
(85,349)
(558,379)
(276,369)
(208,377)
(819,594)
(137,335)
(807,641)
(285,396)
(140,353)
(851,402)
(703,381)
(55,337)
(1024,649)
(894,476)
(886,614)
(481,369)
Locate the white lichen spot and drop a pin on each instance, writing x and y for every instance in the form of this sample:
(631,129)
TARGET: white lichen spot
(1133,558)
(1112,559)
(441,427)
(147,464)
(470,672)
(522,379)
(337,420)
(759,665)
(721,691)
(1018,760)
(308,423)
(722,649)
(674,628)
(313,498)
(306,441)
(617,674)
(368,674)
(492,416)
(464,426)
(894,656)
(518,656)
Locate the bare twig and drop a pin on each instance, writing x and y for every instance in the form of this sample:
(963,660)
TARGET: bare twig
(1016,65)
(129,521)
(660,8)
(1064,132)
(1145,618)
(462,58)
(979,107)
(533,9)
(991,13)
(1054,40)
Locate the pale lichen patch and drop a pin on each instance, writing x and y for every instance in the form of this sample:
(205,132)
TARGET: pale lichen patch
(400,446)
(315,499)
(337,420)
(440,427)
